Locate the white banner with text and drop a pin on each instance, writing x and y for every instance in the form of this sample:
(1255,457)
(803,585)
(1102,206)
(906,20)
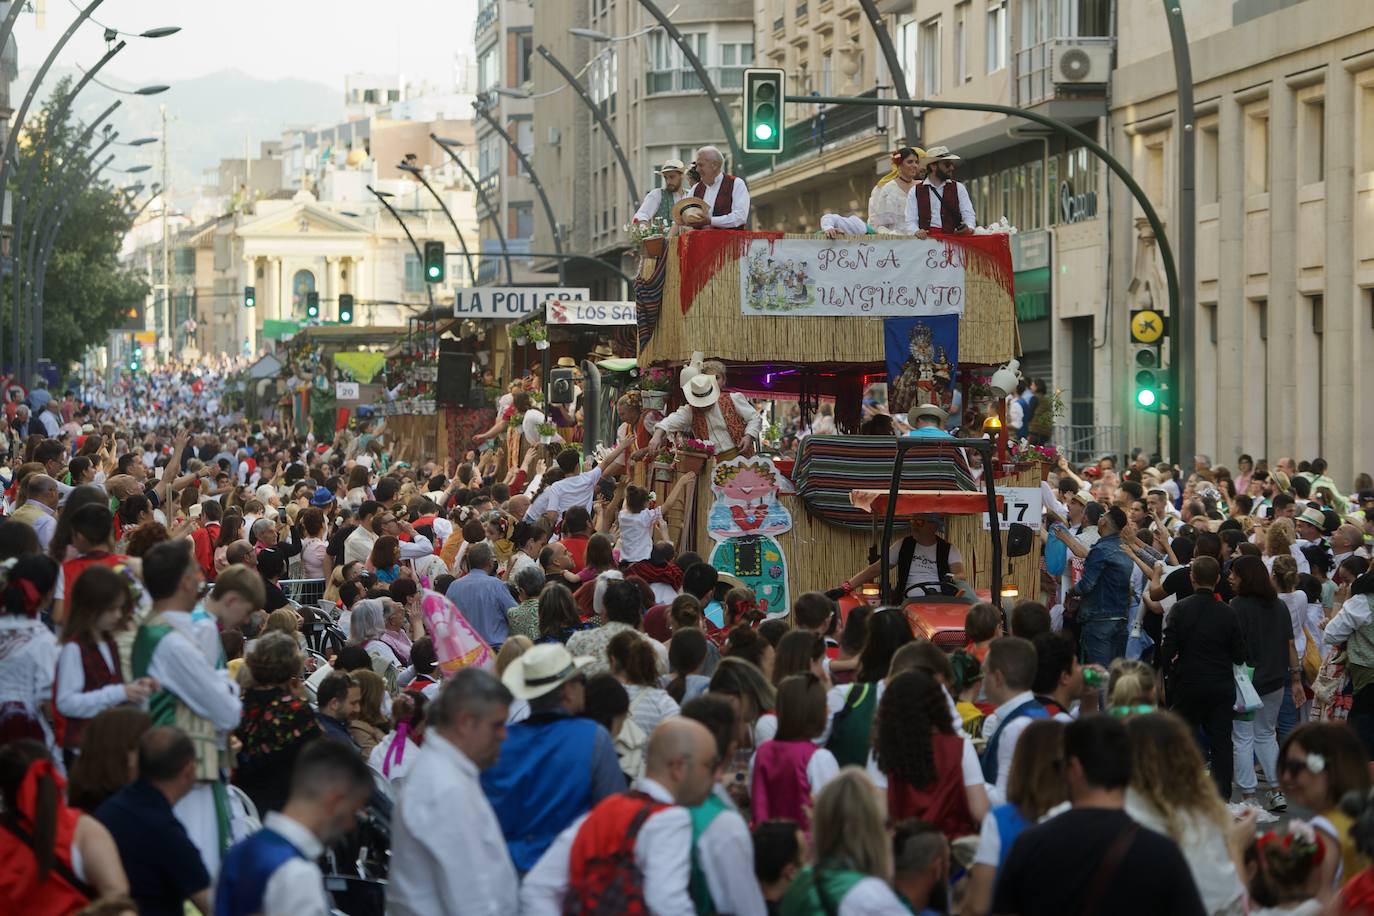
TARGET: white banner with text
(509,301)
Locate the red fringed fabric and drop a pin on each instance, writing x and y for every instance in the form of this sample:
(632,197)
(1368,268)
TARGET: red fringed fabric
(703,252)
(989,255)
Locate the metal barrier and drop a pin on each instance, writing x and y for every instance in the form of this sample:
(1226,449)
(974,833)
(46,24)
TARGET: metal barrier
(1081,444)
(303,591)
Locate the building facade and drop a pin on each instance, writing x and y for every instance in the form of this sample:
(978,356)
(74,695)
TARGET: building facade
(1284,329)
(504,39)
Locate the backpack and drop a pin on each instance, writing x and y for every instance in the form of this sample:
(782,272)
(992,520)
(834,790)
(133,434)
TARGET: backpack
(631,743)
(850,733)
(606,878)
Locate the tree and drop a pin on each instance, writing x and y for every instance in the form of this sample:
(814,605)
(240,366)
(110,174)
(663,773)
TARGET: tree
(85,291)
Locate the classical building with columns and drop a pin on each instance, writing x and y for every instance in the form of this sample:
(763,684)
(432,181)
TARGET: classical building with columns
(292,245)
(1285,221)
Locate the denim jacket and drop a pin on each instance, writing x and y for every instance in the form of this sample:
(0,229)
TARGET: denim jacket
(1106,582)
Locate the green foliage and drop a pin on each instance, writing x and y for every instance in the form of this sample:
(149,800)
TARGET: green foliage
(86,291)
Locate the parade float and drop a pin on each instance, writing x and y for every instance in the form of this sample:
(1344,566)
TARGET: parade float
(818,321)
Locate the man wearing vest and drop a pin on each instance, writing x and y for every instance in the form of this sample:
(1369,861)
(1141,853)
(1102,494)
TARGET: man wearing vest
(938,203)
(658,203)
(731,423)
(726,197)
(39,511)
(1008,674)
(921,558)
(196,695)
(274,870)
(649,827)
(555,766)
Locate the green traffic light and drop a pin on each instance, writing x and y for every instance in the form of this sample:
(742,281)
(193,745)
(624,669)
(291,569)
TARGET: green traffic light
(433,271)
(1146,397)
(763,131)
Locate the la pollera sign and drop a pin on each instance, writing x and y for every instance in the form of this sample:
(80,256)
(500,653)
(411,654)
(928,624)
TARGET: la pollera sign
(509,301)
(876,277)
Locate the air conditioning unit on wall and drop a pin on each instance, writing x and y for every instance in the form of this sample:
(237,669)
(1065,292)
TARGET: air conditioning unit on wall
(1075,64)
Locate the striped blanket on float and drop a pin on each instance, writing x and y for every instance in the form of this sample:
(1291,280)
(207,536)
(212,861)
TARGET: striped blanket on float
(829,467)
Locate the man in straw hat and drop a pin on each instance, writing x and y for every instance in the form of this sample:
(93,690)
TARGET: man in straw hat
(555,766)
(730,423)
(658,203)
(1311,527)
(939,203)
(928,422)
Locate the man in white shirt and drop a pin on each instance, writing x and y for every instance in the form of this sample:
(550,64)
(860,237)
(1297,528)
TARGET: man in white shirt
(452,858)
(731,423)
(577,490)
(195,694)
(275,870)
(358,545)
(727,198)
(50,417)
(680,769)
(939,203)
(1009,673)
(659,201)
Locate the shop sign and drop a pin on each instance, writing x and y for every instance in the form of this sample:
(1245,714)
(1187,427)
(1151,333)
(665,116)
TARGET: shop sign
(1075,208)
(511,302)
(560,311)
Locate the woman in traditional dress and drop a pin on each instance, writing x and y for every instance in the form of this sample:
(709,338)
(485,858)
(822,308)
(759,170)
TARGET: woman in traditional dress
(887,203)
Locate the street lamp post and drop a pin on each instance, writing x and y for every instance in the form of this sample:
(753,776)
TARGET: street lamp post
(446,145)
(534,180)
(1182,380)
(894,66)
(419,255)
(595,109)
(736,154)
(420,176)
(63,206)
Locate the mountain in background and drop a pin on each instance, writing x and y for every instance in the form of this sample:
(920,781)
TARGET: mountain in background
(209,118)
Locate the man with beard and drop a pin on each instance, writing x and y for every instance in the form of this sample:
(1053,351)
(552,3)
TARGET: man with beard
(659,201)
(939,203)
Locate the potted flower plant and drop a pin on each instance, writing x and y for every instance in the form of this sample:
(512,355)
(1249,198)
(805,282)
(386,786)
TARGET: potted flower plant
(1046,456)
(518,334)
(650,236)
(539,334)
(693,454)
(654,386)
(663,467)
(547,431)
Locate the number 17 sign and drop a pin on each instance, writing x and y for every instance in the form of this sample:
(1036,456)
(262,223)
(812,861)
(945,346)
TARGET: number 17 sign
(1019,504)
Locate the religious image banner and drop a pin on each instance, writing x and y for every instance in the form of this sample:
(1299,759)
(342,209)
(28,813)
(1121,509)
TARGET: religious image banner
(922,355)
(874,277)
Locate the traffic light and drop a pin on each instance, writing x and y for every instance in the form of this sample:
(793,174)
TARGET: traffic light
(312,305)
(135,358)
(434,262)
(763,92)
(250,297)
(345,308)
(1148,330)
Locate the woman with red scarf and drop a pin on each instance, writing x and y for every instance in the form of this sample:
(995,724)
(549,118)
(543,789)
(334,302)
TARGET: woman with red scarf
(53,859)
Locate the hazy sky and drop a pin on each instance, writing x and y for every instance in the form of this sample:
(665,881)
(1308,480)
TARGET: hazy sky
(319,40)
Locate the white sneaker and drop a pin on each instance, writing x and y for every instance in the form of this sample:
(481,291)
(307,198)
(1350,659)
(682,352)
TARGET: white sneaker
(1277,801)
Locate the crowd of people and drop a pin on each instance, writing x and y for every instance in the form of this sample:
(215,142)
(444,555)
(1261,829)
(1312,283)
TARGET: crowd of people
(219,683)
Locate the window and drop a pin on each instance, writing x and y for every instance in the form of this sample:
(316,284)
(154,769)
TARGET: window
(1257,153)
(1312,141)
(906,51)
(928,55)
(488,155)
(669,70)
(734,58)
(414,276)
(521,220)
(524,136)
(1209,165)
(602,80)
(488,69)
(997,36)
(961,44)
(524,50)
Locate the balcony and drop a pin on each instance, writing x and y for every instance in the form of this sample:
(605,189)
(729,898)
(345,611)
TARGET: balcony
(824,129)
(685,80)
